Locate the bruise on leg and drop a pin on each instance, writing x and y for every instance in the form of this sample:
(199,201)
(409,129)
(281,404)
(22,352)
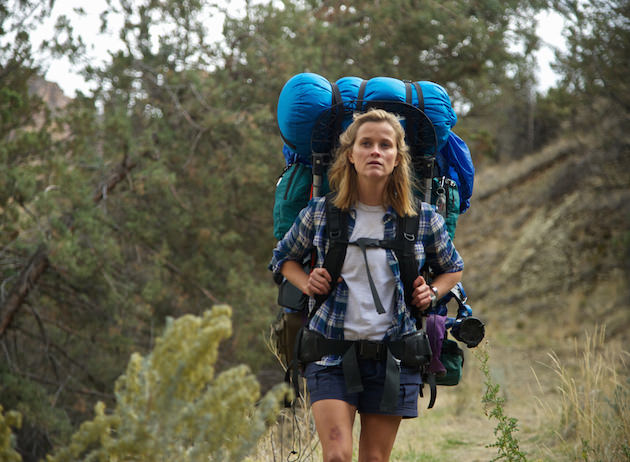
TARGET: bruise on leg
(335,434)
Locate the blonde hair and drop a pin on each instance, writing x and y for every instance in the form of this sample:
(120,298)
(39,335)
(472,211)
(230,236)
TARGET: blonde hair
(342,175)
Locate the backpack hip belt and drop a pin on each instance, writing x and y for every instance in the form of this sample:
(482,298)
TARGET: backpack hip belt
(412,351)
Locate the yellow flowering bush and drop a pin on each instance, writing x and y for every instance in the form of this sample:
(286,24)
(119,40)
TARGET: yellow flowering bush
(7,421)
(171,406)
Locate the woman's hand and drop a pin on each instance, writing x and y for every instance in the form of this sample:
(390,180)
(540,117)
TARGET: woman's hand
(421,296)
(318,282)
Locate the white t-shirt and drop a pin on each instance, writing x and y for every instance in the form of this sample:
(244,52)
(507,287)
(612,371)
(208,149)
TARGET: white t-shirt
(362,321)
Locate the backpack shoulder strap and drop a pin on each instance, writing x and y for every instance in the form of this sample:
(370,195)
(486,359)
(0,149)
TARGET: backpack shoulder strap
(406,236)
(337,230)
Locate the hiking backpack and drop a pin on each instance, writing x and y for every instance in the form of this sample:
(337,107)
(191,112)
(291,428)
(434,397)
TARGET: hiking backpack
(312,113)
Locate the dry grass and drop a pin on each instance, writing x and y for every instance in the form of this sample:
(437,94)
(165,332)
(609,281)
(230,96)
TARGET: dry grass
(293,438)
(591,418)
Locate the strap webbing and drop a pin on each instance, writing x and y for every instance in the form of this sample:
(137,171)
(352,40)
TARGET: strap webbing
(420,95)
(408,95)
(363,243)
(337,227)
(406,235)
(361,95)
(337,104)
(430,378)
(391,387)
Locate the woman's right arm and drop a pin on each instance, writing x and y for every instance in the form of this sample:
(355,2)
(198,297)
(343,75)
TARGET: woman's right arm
(288,256)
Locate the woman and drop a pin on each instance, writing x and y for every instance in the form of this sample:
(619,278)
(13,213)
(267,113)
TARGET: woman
(372,180)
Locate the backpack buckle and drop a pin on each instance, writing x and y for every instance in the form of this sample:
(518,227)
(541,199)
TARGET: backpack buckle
(369,349)
(409,237)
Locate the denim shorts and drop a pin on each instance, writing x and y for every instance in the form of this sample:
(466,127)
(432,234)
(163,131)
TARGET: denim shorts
(327,382)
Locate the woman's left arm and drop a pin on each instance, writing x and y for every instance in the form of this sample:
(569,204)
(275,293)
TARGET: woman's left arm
(443,283)
(441,256)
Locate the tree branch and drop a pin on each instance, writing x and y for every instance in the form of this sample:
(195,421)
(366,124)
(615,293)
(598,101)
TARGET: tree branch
(83,368)
(44,381)
(27,279)
(119,174)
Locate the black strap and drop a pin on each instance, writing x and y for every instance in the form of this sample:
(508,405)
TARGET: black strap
(418,88)
(431,380)
(337,104)
(391,387)
(337,228)
(411,351)
(352,377)
(361,95)
(292,374)
(406,235)
(408,95)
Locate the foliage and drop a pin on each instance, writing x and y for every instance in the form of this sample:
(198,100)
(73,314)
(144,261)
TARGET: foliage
(44,425)
(597,61)
(507,444)
(170,405)
(7,421)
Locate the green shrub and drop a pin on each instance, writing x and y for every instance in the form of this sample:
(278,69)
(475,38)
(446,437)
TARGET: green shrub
(171,406)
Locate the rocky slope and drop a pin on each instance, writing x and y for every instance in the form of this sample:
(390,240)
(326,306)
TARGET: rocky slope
(547,240)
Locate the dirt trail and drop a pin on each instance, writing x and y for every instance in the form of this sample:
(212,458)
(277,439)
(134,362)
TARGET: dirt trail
(458,428)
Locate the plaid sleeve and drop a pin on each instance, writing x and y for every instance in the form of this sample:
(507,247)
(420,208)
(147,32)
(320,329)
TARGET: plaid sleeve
(441,254)
(297,242)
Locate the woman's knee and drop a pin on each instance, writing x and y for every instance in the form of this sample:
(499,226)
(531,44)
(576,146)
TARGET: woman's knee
(338,454)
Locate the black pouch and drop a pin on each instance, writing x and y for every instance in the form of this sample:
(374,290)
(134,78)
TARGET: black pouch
(291,297)
(309,348)
(414,349)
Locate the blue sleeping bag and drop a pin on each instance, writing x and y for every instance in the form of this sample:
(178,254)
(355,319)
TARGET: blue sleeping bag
(305,97)
(302,100)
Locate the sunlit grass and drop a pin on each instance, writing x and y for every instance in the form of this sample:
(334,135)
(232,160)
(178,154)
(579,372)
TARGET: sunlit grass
(591,421)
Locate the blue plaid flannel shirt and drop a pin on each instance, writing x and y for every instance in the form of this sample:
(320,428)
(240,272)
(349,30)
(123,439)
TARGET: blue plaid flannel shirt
(309,231)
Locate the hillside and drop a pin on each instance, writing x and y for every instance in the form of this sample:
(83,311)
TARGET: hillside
(547,247)
(547,242)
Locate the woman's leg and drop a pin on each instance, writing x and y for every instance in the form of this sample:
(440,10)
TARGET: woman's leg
(378,433)
(334,420)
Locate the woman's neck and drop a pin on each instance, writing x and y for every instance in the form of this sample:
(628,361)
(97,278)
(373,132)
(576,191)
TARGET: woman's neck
(371,193)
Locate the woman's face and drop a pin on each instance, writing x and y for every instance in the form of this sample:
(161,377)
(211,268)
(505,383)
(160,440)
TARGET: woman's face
(374,153)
